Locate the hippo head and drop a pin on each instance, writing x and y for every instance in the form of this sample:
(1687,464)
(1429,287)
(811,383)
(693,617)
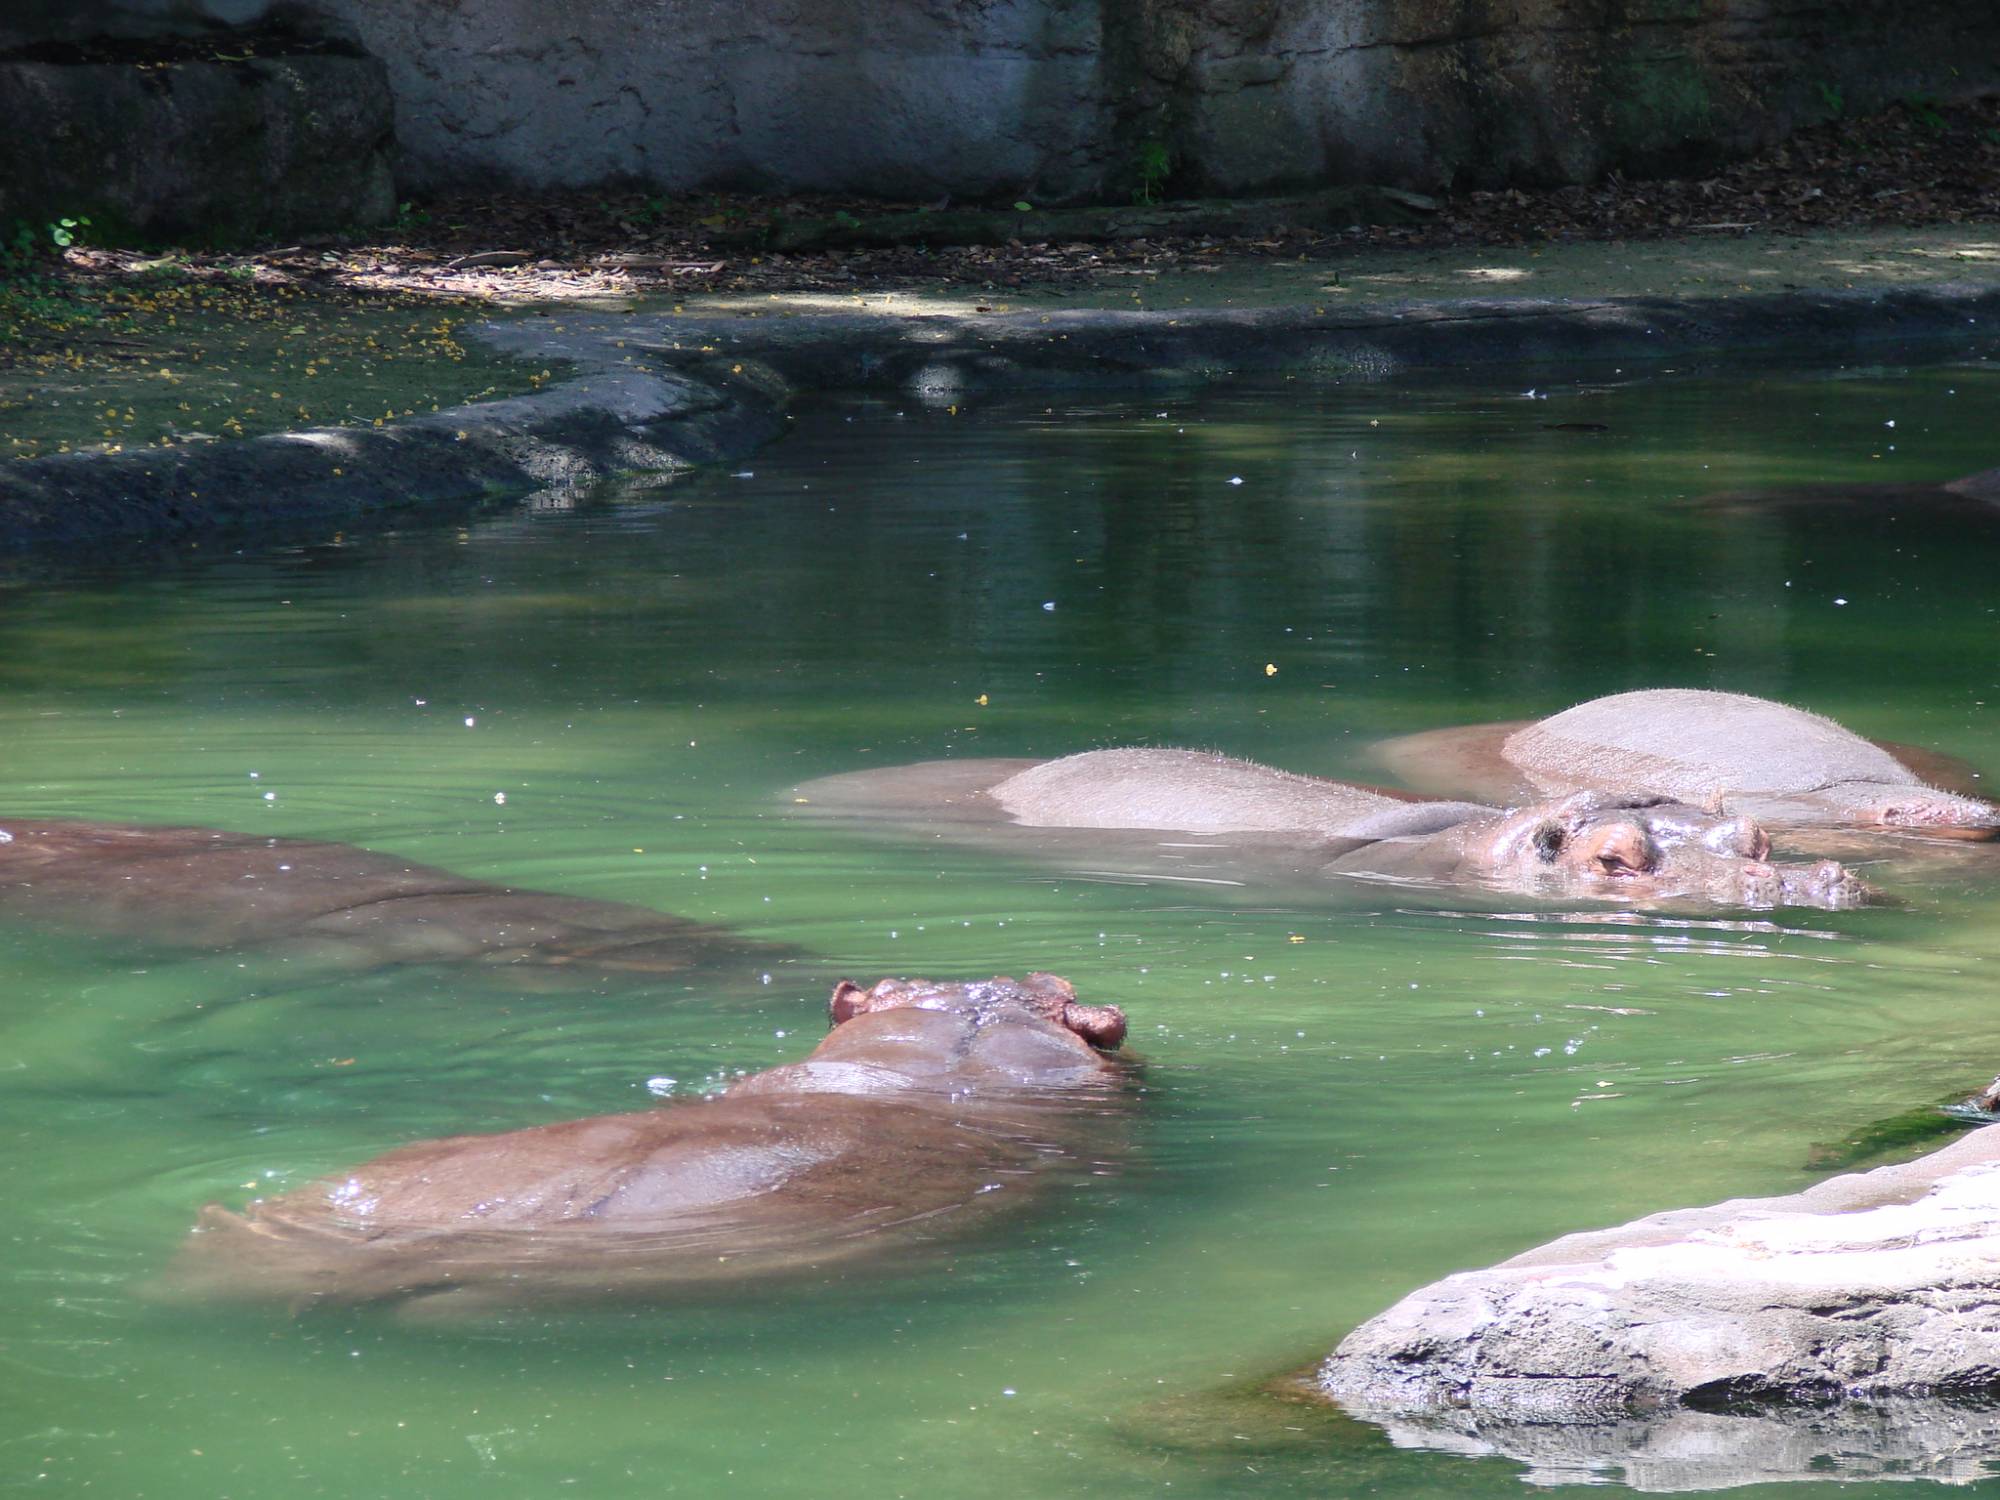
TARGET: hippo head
(1047,998)
(1641,849)
(986,1038)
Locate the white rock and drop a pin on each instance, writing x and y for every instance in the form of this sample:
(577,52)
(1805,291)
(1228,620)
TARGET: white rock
(1876,1285)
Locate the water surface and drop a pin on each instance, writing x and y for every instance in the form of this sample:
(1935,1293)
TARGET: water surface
(1349,1090)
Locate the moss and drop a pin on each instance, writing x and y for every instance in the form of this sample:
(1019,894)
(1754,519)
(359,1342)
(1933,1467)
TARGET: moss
(1897,1138)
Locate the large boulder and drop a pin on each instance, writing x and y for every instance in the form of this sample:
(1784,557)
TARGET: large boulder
(1878,1285)
(195,140)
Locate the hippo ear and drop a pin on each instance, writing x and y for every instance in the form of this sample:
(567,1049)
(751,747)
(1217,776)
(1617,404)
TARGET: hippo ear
(1051,984)
(849,1000)
(1100,1025)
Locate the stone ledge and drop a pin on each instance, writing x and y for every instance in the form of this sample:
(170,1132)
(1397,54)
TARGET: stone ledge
(583,429)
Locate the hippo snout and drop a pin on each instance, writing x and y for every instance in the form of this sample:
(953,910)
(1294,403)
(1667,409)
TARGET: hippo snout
(1739,836)
(1826,883)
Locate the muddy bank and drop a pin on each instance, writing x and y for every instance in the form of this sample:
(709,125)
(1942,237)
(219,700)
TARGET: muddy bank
(658,391)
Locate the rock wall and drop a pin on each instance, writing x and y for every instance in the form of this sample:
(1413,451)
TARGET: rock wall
(1058,100)
(212,150)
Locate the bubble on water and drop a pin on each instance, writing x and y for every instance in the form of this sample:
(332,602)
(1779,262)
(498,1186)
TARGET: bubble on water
(501,798)
(470,721)
(1049,606)
(270,796)
(661,1086)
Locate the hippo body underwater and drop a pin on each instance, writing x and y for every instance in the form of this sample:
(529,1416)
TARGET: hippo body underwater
(1727,751)
(928,1108)
(1587,845)
(201,888)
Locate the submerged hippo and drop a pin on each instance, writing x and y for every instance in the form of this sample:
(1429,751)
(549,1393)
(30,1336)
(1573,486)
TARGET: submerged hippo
(204,889)
(1591,844)
(1727,751)
(929,1107)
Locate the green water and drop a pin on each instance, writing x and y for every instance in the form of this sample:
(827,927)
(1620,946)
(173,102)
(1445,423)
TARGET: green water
(1347,1092)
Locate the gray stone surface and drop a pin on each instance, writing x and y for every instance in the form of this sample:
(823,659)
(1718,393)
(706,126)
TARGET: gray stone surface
(605,419)
(209,150)
(1062,99)
(1881,1284)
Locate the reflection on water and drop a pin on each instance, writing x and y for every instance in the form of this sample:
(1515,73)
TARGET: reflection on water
(1349,1089)
(1944,1441)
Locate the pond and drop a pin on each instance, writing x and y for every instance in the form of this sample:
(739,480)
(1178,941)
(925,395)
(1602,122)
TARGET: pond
(1348,1089)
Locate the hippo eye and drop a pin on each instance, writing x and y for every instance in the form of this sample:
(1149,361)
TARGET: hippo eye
(1548,840)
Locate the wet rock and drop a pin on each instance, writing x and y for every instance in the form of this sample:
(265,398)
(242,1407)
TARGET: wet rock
(1875,1285)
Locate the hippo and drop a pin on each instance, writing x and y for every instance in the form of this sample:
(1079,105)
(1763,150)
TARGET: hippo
(200,888)
(1973,500)
(930,1107)
(1637,849)
(1725,751)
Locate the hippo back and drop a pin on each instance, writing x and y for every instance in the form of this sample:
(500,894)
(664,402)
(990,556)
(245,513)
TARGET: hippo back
(1192,790)
(1695,745)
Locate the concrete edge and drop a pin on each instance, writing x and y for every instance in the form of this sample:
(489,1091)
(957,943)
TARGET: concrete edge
(658,392)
